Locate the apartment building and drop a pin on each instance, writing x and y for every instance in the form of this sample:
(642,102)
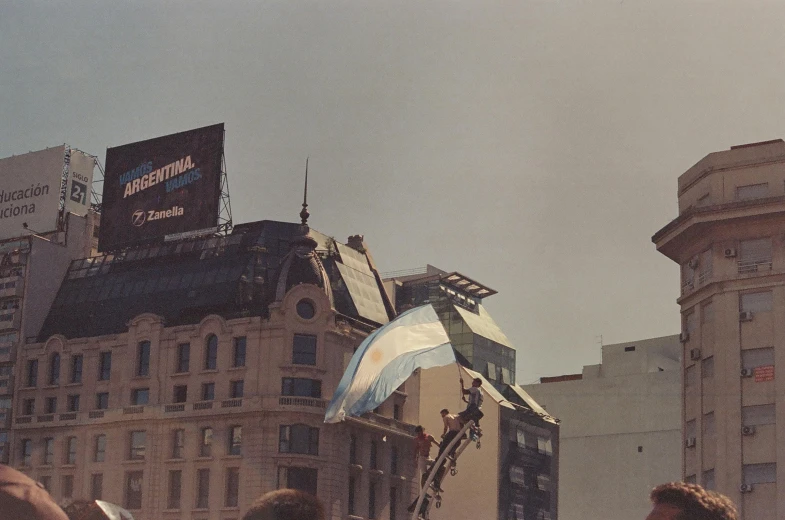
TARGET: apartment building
(728,240)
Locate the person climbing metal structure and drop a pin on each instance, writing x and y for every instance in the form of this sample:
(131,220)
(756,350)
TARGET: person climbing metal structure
(430,492)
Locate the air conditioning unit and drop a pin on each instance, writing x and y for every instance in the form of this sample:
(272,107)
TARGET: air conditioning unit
(684,337)
(690,442)
(745,488)
(730,252)
(695,354)
(745,316)
(748,430)
(746,372)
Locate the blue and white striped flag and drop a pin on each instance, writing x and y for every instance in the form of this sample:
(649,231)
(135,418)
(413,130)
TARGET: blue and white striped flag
(415,339)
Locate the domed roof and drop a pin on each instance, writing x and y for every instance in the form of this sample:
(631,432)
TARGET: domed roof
(301,265)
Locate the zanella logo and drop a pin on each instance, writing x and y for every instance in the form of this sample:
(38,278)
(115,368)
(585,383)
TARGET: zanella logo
(141,216)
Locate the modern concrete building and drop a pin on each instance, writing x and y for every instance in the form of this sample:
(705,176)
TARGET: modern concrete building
(31,269)
(520,442)
(184,380)
(728,240)
(620,428)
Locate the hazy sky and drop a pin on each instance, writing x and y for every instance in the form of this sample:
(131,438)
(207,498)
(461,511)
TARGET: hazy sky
(531,145)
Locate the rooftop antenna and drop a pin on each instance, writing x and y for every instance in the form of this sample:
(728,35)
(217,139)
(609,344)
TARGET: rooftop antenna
(304,213)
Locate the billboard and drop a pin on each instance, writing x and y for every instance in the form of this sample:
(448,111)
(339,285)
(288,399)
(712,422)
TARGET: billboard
(80,181)
(30,192)
(162,186)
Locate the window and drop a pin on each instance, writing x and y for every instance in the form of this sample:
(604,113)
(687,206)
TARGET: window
(202,488)
(28,406)
(99,454)
(707,367)
(27,452)
(96,486)
(238,355)
(306,309)
(707,313)
(54,369)
(304,479)
(757,415)
(235,440)
(46,482)
(690,376)
(76,368)
(689,322)
(757,357)
(175,488)
(301,387)
(49,451)
(352,449)
(759,473)
(232,487)
(705,267)
(709,425)
(183,357)
(32,372)
(691,479)
(707,480)
(104,366)
(180,393)
(690,429)
(143,359)
(352,485)
(393,503)
(206,442)
(67,486)
(754,255)
(752,191)
(397,412)
(73,403)
(102,400)
(178,443)
(140,396)
(50,405)
(211,353)
(208,391)
(298,438)
(372,500)
(133,490)
(756,302)
(373,462)
(138,441)
(236,389)
(304,349)
(70,450)
(394,460)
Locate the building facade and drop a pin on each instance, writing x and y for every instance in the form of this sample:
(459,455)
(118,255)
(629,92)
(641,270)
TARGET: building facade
(620,428)
(31,268)
(184,380)
(729,245)
(520,442)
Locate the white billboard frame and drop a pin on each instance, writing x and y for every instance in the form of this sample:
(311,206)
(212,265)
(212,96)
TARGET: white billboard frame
(30,192)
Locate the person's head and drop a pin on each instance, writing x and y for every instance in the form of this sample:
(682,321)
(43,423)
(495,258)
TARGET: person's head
(22,497)
(419,430)
(476,382)
(286,504)
(444,412)
(683,501)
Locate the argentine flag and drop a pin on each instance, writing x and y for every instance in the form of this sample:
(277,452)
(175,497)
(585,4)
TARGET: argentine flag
(415,339)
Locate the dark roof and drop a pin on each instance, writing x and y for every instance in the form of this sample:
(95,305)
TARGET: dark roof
(182,282)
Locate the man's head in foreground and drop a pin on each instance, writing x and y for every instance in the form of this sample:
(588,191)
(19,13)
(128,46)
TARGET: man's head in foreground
(285,504)
(682,501)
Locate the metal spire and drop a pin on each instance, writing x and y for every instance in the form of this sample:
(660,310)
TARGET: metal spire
(304,213)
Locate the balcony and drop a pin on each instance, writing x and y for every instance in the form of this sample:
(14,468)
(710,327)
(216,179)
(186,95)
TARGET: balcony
(754,266)
(11,287)
(10,319)
(302,401)
(7,353)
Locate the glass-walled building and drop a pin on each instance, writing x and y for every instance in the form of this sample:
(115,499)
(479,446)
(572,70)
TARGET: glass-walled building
(479,342)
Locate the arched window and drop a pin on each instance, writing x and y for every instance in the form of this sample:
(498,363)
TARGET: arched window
(211,353)
(54,369)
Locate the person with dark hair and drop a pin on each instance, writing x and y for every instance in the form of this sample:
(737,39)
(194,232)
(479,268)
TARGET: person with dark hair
(452,427)
(286,504)
(683,501)
(473,404)
(23,498)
